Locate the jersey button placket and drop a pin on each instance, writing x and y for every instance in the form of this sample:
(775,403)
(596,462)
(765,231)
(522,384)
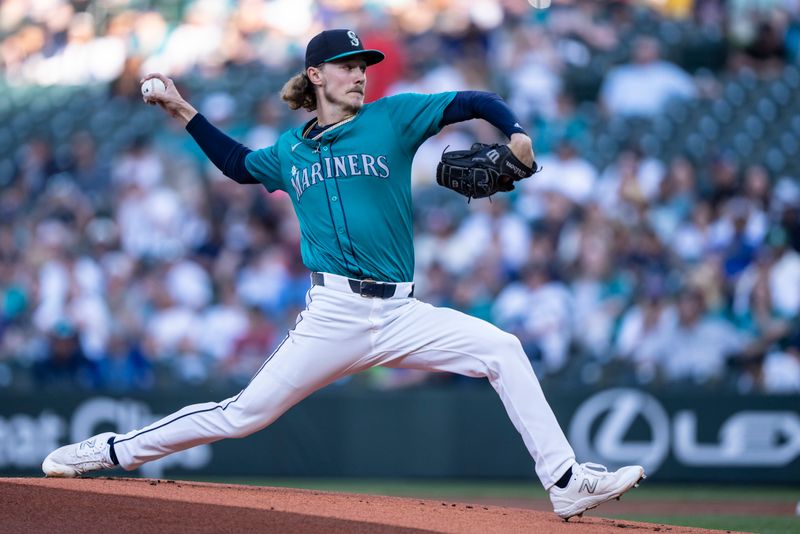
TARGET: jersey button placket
(338,217)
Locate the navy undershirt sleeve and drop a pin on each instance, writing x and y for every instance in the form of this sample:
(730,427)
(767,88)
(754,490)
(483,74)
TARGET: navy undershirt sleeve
(225,153)
(468,105)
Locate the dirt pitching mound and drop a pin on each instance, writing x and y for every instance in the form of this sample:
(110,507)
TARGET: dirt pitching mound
(123,505)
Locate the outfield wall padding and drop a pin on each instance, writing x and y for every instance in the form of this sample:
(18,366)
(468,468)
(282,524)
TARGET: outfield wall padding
(447,433)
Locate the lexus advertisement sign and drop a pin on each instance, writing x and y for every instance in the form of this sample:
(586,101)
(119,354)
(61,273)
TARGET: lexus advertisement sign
(436,433)
(627,426)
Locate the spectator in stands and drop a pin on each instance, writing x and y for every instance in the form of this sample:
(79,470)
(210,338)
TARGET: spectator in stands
(643,87)
(784,274)
(695,349)
(438,246)
(475,293)
(139,164)
(641,252)
(757,189)
(188,365)
(223,323)
(124,368)
(383,34)
(261,281)
(534,67)
(249,348)
(692,238)
(674,201)
(189,284)
(36,163)
(538,310)
(491,230)
(638,338)
(723,183)
(781,369)
(438,285)
(790,220)
(169,325)
(126,84)
(564,173)
(583,22)
(89,171)
(566,123)
(268,115)
(65,366)
(766,53)
(753,308)
(600,292)
(733,238)
(629,185)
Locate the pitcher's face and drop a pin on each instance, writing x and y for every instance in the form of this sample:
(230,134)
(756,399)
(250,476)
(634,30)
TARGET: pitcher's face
(343,83)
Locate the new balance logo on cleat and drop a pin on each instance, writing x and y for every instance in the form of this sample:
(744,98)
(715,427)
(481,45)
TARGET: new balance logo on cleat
(589,486)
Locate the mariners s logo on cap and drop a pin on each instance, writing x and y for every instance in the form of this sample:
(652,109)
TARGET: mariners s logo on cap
(353,38)
(332,45)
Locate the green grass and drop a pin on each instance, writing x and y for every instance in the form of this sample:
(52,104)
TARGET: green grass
(716,493)
(402,488)
(760,524)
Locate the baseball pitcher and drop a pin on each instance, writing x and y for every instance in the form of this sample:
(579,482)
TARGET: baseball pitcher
(347,172)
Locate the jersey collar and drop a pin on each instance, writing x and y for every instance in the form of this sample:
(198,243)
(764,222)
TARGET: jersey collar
(333,131)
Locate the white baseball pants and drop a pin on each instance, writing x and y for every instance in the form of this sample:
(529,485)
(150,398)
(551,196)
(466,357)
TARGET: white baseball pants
(341,333)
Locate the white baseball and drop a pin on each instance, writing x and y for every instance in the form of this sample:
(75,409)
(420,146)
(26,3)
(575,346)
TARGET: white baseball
(153,85)
(540,4)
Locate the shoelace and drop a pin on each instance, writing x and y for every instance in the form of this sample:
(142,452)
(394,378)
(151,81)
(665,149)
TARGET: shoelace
(599,470)
(84,449)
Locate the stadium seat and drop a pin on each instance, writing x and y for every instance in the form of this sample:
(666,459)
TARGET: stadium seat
(791,75)
(722,111)
(780,92)
(767,110)
(734,93)
(789,143)
(775,160)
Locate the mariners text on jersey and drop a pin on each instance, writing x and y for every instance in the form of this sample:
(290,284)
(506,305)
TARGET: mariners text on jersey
(339,167)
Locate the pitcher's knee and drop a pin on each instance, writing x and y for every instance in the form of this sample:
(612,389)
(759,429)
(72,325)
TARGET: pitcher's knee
(243,421)
(510,356)
(504,351)
(509,345)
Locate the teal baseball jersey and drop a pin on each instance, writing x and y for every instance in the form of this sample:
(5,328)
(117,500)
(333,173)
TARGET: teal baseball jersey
(351,187)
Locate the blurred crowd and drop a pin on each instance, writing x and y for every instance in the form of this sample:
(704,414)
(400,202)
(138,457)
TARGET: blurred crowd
(131,263)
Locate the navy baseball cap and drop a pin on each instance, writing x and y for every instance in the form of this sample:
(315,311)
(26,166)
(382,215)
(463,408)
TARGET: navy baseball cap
(331,45)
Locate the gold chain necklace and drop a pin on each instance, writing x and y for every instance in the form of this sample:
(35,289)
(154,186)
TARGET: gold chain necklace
(328,129)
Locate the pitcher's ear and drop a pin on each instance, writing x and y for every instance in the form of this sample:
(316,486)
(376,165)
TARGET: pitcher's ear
(314,75)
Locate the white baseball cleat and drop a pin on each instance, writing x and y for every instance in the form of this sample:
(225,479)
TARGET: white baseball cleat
(76,459)
(591,485)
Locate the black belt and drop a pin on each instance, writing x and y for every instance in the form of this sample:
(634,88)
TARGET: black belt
(365,288)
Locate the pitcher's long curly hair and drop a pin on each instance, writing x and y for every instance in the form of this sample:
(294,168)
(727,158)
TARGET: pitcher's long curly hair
(298,93)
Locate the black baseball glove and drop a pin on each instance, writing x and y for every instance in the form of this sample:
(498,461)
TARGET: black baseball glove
(481,171)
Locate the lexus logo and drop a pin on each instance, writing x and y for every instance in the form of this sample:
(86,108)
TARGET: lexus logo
(601,423)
